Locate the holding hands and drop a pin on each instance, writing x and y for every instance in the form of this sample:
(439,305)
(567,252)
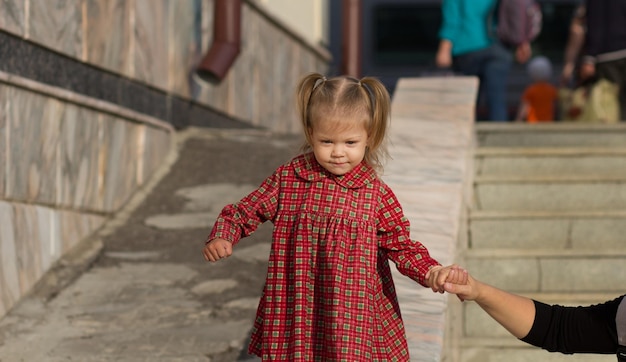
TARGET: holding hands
(438,276)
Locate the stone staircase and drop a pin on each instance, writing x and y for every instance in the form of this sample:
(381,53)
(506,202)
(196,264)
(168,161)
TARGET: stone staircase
(548,221)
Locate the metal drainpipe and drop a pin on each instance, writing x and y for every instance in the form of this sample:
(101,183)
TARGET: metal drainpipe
(226,41)
(351,38)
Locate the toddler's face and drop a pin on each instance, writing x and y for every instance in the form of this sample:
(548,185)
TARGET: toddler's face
(338,150)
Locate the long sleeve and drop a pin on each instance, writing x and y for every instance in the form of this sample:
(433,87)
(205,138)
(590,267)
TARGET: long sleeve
(595,35)
(589,329)
(241,219)
(410,256)
(451,24)
(465,23)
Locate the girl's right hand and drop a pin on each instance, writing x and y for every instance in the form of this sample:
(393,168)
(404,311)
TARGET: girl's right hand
(217,249)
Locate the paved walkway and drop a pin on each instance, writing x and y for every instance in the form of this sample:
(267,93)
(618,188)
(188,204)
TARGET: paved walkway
(149,296)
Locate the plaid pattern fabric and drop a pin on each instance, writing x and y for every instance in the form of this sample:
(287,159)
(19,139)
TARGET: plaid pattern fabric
(329,294)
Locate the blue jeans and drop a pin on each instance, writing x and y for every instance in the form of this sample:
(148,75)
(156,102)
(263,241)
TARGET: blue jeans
(492,66)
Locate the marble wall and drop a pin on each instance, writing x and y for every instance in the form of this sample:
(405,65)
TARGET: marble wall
(69,160)
(67,164)
(159,43)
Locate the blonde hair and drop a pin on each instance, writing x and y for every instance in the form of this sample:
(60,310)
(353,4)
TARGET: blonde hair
(347,98)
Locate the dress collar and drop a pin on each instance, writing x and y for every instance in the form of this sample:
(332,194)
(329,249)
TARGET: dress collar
(308,168)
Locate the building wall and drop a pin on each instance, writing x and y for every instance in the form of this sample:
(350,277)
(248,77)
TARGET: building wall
(91,92)
(307,17)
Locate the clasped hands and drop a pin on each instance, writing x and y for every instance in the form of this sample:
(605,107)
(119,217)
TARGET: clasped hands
(447,279)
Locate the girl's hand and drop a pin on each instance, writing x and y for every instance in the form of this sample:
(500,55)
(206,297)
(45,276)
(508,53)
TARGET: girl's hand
(438,275)
(217,249)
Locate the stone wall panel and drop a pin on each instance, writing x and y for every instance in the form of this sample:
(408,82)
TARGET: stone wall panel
(150,37)
(157,146)
(33,123)
(120,158)
(27,246)
(74,227)
(79,151)
(12,16)
(184,51)
(4,138)
(57,24)
(9,275)
(104,47)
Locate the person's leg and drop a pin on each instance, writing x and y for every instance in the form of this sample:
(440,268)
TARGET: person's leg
(496,76)
(615,71)
(472,64)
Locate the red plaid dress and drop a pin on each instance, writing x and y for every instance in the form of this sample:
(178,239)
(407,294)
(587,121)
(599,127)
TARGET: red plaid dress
(329,295)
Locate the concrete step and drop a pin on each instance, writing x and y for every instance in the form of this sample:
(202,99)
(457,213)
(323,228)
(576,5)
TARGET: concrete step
(548,221)
(550,161)
(561,231)
(524,353)
(557,193)
(483,333)
(549,270)
(551,135)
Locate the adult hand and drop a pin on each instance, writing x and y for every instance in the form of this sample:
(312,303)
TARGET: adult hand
(566,73)
(587,70)
(443,60)
(464,291)
(444,54)
(523,52)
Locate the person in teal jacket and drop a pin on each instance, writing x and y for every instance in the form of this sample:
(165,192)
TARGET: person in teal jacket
(468,45)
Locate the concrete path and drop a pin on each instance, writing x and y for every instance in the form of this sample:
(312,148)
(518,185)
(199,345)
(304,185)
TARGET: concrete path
(140,290)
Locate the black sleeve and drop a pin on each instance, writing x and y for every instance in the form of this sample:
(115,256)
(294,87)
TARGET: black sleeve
(595,19)
(589,329)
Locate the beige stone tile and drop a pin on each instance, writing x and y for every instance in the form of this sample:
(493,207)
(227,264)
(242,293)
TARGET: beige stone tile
(79,150)
(9,275)
(12,16)
(108,34)
(75,227)
(157,145)
(119,161)
(27,246)
(47,227)
(151,42)
(57,24)
(4,139)
(34,123)
(184,46)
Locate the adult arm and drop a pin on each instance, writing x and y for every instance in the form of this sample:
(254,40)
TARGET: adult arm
(555,328)
(595,29)
(514,312)
(582,329)
(574,44)
(450,27)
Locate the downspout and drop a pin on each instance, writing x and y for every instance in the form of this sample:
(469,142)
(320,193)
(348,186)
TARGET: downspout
(226,41)
(351,38)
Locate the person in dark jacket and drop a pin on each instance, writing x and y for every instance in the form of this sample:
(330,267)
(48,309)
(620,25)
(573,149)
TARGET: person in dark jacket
(605,44)
(599,328)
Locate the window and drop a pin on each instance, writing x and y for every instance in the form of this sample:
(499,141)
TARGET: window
(405,34)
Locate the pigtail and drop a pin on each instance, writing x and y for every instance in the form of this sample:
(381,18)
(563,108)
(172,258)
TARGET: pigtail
(305,90)
(380,104)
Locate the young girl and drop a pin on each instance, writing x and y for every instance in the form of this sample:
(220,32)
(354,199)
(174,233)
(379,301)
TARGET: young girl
(329,294)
